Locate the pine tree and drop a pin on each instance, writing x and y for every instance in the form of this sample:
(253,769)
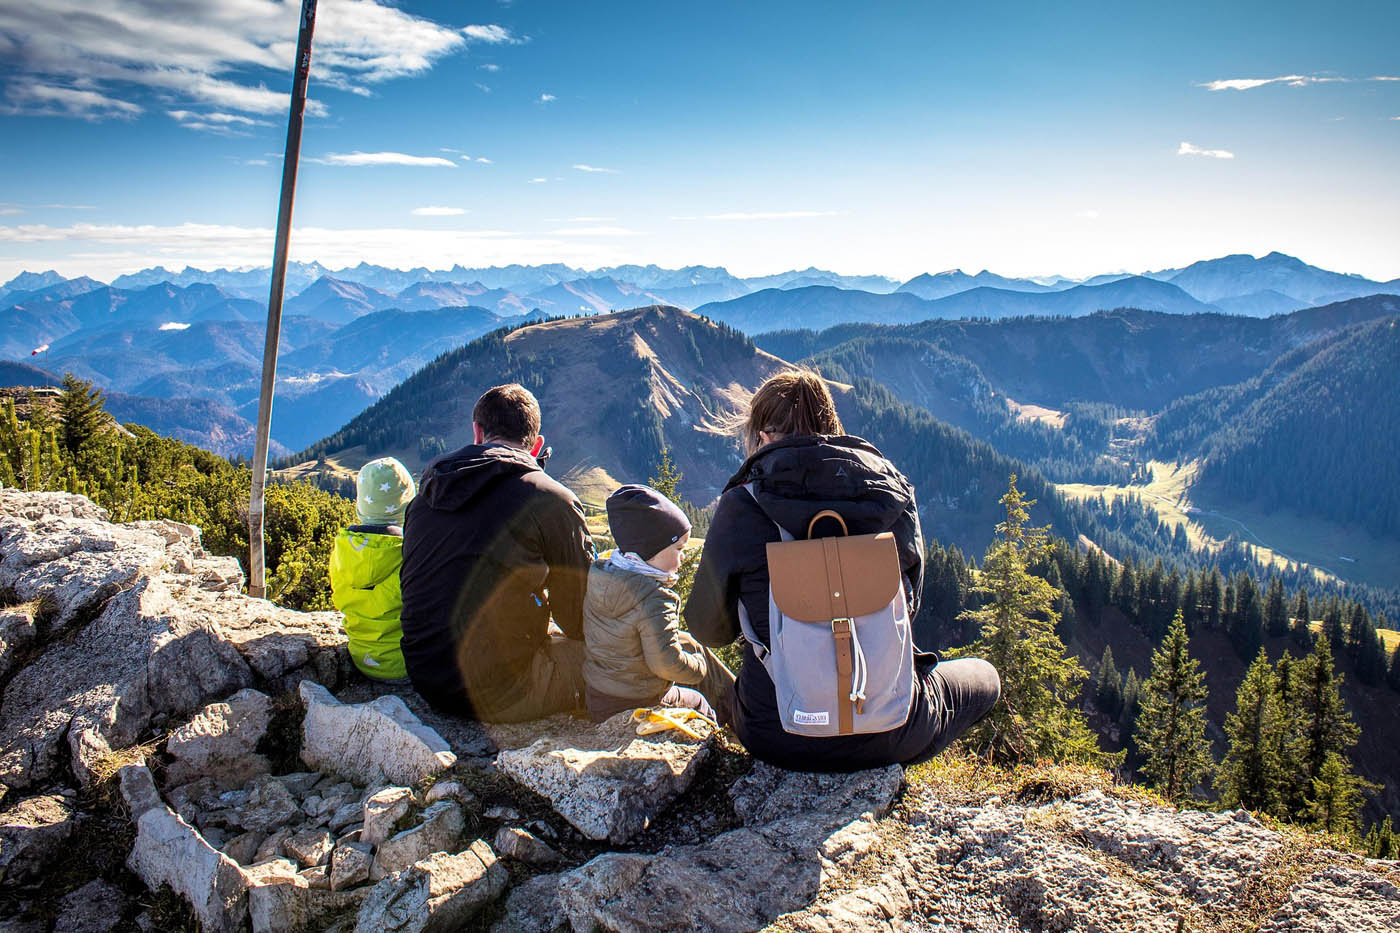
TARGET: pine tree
(1132,705)
(1326,727)
(1108,690)
(1275,610)
(1336,797)
(1288,673)
(1381,841)
(1037,717)
(1302,619)
(1302,612)
(1393,676)
(1249,776)
(81,408)
(667,480)
(1171,728)
(1212,597)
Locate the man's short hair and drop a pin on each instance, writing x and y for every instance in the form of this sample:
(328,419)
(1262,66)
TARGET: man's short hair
(509,413)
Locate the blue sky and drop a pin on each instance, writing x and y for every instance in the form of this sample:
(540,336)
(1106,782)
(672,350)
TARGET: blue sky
(896,138)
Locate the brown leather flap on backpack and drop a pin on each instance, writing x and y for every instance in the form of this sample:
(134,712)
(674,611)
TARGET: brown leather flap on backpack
(834,578)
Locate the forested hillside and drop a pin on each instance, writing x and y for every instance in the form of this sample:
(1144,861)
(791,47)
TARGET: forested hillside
(1325,439)
(1127,358)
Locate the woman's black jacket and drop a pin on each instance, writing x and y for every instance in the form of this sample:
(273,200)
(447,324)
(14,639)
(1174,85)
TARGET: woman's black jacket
(794,479)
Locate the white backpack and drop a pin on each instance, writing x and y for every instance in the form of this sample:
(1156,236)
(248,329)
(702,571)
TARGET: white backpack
(841,649)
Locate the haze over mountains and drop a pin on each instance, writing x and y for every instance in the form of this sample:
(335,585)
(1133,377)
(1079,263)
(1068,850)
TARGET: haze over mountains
(352,334)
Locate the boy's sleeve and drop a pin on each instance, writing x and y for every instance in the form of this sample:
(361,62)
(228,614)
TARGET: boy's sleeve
(659,626)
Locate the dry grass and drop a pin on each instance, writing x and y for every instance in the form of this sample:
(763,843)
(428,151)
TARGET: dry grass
(965,779)
(104,769)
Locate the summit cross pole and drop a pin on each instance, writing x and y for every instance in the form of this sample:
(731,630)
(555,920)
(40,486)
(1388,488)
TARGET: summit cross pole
(257,574)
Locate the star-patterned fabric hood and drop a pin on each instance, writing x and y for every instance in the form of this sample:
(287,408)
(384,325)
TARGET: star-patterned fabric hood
(382,492)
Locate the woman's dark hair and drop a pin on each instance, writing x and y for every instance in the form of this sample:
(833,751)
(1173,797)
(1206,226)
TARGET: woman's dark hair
(795,401)
(508,413)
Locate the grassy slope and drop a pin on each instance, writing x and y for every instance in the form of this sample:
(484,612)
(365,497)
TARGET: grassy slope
(1278,536)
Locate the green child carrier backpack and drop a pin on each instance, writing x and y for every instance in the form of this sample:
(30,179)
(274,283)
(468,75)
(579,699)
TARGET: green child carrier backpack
(840,647)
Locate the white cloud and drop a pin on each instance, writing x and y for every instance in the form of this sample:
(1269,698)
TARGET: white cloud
(537,181)
(762,215)
(174,325)
(483,88)
(546,98)
(580,220)
(1188,149)
(107,250)
(220,54)
(595,231)
(1248,84)
(1088,214)
(489,66)
(385,158)
(11,210)
(255,162)
(492,34)
(483,160)
(596,170)
(36,98)
(228,124)
(438,211)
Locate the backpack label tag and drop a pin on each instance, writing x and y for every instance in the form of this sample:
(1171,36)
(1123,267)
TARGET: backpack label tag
(811,719)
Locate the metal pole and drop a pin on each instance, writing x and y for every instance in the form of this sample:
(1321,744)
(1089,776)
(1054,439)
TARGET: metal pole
(257,574)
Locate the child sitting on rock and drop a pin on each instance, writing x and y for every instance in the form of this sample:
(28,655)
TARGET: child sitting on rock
(636,654)
(365,564)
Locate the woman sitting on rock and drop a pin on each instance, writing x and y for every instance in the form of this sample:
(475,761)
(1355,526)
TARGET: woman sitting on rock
(801,464)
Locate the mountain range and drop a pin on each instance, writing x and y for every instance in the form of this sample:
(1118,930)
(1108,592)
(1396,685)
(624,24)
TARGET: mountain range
(350,335)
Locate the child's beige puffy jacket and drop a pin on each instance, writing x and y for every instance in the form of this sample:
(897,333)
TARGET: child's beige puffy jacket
(631,629)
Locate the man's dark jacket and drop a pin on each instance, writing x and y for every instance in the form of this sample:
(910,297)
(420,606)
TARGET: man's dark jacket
(492,547)
(794,479)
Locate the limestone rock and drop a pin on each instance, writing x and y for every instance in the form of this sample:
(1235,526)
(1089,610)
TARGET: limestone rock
(350,864)
(96,907)
(1342,899)
(382,810)
(272,846)
(169,851)
(440,831)
(310,847)
(287,903)
(524,846)
(452,790)
(17,633)
(300,782)
(435,895)
(738,881)
(606,780)
(244,847)
(371,743)
(32,834)
(153,631)
(221,740)
(270,806)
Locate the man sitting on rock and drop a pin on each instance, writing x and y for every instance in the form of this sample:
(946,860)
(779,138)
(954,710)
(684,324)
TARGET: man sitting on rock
(492,547)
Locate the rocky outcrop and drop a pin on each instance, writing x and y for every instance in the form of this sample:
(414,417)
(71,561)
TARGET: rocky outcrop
(438,894)
(369,742)
(32,832)
(796,827)
(607,781)
(114,634)
(135,625)
(1096,861)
